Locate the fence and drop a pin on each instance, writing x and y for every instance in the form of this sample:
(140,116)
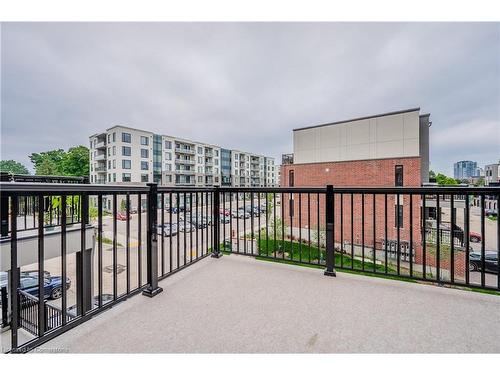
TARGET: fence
(110,256)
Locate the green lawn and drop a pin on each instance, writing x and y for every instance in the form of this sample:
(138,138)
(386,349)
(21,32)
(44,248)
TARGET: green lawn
(296,250)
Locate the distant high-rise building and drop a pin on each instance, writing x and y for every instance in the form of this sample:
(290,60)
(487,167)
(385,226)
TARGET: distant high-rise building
(464,169)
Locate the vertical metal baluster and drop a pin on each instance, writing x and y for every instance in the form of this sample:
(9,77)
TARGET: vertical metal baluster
(466,238)
(177,197)
(252,223)
(424,239)
(309,225)
(385,234)
(483,241)
(274,224)
(300,228)
(41,259)
(197,219)
(231,220)
(374,238)
(190,247)
(498,240)
(452,239)
(127,250)
(260,228)
(244,224)
(139,245)
(99,248)
(64,303)
(14,270)
(25,212)
(163,233)
(411,235)
(352,231)
(363,232)
(318,225)
(282,225)
(185,227)
(237,222)
(170,206)
(341,230)
(290,208)
(438,240)
(115,249)
(223,222)
(398,251)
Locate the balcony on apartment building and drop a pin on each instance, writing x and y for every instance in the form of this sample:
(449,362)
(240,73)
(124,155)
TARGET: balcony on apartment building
(245,270)
(185,150)
(181,160)
(286,159)
(100,155)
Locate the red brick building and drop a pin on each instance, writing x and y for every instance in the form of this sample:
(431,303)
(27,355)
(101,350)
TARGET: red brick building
(386,150)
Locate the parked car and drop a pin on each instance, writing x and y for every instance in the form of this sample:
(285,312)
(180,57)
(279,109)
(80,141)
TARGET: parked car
(133,210)
(474,237)
(240,214)
(29,284)
(198,222)
(122,216)
(490,261)
(224,212)
(490,212)
(167,229)
(225,219)
(187,227)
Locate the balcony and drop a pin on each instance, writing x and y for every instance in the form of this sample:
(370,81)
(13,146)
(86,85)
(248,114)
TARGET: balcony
(261,317)
(100,169)
(184,161)
(343,232)
(100,156)
(287,159)
(182,150)
(101,144)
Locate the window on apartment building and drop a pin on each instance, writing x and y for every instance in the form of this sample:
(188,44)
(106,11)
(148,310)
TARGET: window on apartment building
(398,175)
(236,157)
(109,164)
(144,177)
(144,153)
(398,216)
(126,151)
(114,163)
(114,177)
(126,138)
(200,160)
(109,151)
(114,150)
(114,137)
(291,178)
(200,169)
(109,138)
(144,141)
(200,150)
(168,156)
(168,178)
(144,165)
(216,161)
(126,164)
(126,177)
(168,145)
(216,170)
(109,177)
(168,167)
(200,179)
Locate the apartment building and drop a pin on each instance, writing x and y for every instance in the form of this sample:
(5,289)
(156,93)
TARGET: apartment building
(464,169)
(492,174)
(126,155)
(390,149)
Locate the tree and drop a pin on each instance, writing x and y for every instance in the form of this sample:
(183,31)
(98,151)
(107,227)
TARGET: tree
(75,162)
(13,166)
(442,179)
(48,162)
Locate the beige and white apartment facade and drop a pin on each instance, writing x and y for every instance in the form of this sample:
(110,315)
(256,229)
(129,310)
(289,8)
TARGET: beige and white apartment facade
(127,155)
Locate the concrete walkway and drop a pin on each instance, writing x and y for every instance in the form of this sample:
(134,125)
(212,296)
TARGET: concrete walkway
(238,304)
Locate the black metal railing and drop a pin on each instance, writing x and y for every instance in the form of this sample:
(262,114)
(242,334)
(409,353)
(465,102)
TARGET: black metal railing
(128,237)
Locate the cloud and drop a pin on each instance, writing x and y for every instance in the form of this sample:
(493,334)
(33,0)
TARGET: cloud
(247,85)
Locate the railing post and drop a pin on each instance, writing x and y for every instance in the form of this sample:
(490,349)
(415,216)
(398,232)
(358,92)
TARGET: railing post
(5,307)
(152,289)
(330,241)
(216,223)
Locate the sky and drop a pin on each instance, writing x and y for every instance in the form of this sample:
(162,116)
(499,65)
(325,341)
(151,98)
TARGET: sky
(247,85)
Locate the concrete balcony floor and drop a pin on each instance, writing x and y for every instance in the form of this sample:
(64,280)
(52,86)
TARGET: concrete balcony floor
(237,304)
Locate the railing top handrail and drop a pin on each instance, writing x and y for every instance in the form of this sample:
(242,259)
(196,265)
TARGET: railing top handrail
(27,295)
(374,190)
(61,188)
